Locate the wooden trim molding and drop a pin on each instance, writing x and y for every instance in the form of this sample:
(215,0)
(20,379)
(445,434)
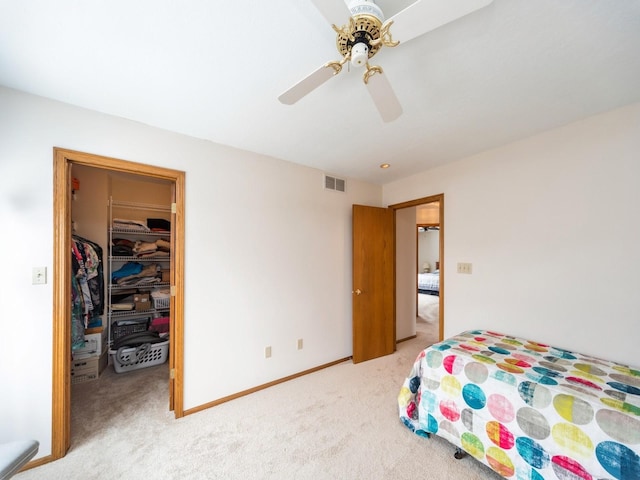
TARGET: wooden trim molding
(263,386)
(421,201)
(61,388)
(406,339)
(61,381)
(38,462)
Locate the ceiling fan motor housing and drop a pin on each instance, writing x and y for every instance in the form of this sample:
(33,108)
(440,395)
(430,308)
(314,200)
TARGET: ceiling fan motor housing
(366,7)
(367,19)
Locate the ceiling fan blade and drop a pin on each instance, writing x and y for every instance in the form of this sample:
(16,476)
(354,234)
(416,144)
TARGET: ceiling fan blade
(426,15)
(335,11)
(383,96)
(308,84)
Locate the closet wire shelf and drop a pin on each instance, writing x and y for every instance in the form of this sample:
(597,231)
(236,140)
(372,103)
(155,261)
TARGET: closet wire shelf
(140,259)
(133,231)
(122,321)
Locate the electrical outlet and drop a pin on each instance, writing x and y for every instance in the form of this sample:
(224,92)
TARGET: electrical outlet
(299,344)
(39,275)
(267,352)
(464,267)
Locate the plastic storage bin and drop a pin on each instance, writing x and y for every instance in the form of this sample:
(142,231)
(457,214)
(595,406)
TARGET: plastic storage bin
(160,325)
(161,299)
(134,358)
(160,303)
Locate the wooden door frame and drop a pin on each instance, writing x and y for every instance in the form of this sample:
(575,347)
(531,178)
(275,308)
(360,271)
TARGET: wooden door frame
(62,191)
(414,203)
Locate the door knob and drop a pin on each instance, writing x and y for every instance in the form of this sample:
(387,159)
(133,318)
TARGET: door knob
(357,291)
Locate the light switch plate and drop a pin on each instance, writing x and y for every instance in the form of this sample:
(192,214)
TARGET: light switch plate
(464,268)
(39,275)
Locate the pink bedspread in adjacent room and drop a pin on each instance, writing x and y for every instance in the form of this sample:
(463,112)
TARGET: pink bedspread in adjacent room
(529,411)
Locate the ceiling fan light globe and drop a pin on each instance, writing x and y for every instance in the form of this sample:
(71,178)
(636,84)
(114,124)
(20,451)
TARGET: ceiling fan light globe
(359,54)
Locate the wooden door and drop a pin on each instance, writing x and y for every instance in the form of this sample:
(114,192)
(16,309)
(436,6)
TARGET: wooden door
(373,283)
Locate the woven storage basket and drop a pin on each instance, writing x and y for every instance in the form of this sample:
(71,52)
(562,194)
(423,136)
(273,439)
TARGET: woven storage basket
(120,328)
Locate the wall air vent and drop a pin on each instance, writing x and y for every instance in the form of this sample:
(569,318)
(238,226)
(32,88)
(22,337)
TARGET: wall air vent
(333,183)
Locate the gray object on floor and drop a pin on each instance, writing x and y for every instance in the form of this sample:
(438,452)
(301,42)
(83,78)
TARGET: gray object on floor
(15,455)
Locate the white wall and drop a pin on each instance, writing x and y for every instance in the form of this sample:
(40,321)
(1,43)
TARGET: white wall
(551,226)
(428,249)
(89,212)
(268,257)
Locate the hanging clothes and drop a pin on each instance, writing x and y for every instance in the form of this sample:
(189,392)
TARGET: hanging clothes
(87,288)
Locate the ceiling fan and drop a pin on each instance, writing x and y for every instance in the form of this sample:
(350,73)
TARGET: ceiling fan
(366,32)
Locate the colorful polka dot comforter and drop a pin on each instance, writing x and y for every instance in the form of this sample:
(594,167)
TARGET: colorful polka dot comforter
(527,410)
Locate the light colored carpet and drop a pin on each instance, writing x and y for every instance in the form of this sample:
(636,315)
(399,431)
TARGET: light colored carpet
(338,423)
(428,308)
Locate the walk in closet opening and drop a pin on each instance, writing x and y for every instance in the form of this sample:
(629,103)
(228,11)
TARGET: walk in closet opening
(121,236)
(117,293)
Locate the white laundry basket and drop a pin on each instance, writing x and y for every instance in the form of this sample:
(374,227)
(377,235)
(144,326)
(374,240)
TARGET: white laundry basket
(134,358)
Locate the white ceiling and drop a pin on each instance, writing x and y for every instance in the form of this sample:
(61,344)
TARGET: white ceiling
(214,70)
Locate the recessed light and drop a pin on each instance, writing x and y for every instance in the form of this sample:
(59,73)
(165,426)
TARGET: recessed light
(385,165)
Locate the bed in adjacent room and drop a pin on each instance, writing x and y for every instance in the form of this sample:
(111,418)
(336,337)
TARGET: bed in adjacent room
(429,283)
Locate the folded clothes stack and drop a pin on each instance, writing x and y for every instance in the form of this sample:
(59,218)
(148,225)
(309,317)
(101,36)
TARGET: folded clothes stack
(123,247)
(134,273)
(127,224)
(163,293)
(158,225)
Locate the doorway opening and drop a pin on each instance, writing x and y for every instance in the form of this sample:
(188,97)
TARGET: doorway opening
(64,160)
(412,297)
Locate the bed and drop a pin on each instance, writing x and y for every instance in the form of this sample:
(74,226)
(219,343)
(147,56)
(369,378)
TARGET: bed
(527,410)
(429,283)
